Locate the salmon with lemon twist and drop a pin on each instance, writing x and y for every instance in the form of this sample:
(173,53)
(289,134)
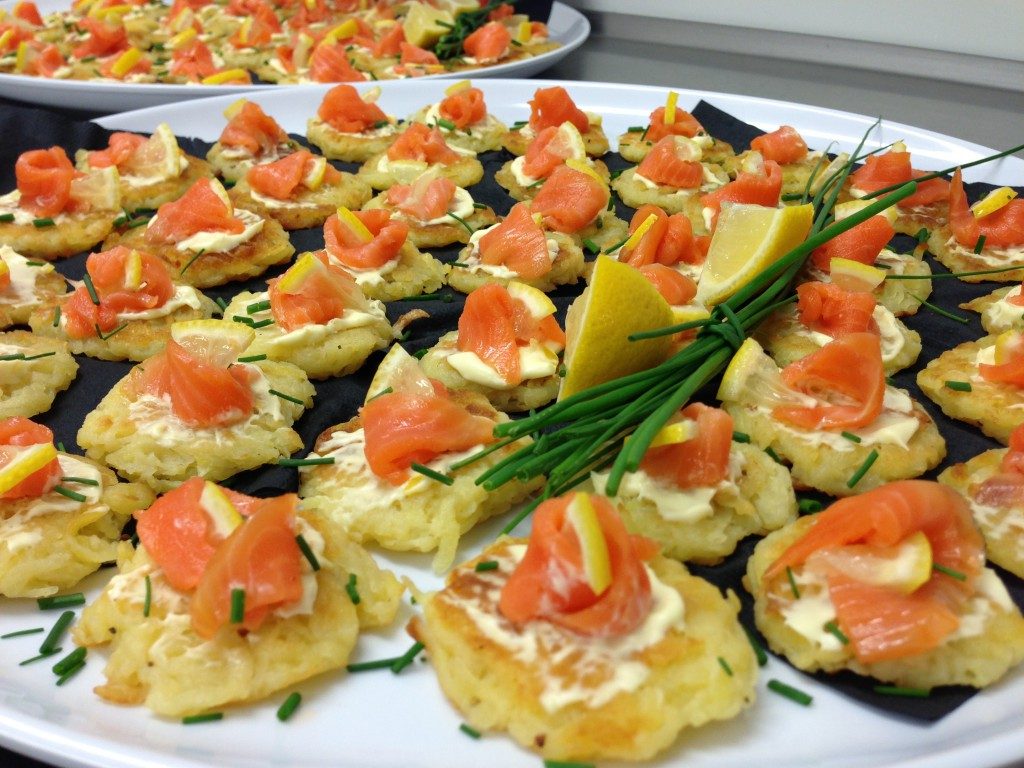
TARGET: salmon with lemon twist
(698,493)
(195,409)
(549,149)
(463,119)
(371,490)
(56,211)
(671,120)
(416,150)
(206,241)
(583,643)
(831,416)
(314,316)
(60,515)
(125,308)
(24,285)
(350,126)
(250,137)
(550,107)
(890,584)
(801,168)
(221,578)
(506,348)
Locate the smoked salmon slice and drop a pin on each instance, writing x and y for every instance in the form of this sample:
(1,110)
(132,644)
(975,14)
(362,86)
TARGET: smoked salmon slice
(862,243)
(1002,228)
(28,12)
(749,188)
(42,60)
(550,584)
(684,124)
(330,64)
(1006,488)
(675,287)
(16,434)
(570,200)
(44,180)
(282,178)
(672,164)
(848,374)
(413,54)
(668,241)
(324,293)
(254,130)
(426,199)
(390,43)
(200,209)
(403,428)
(880,171)
(518,243)
(829,309)
(345,111)
(488,43)
(882,622)
(102,39)
(418,142)
(552,107)
(345,245)
(120,147)
(193,61)
(109,272)
(784,145)
(1010,371)
(464,108)
(702,461)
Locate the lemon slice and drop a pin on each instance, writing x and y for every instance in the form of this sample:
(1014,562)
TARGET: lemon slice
(850,207)
(747,239)
(578,164)
(226,76)
(291,281)
(524,32)
(670,107)
(25,462)
(536,301)
(852,275)
(219,342)
(5,38)
(400,372)
(98,190)
(618,302)
(1008,344)
(234,108)
(459,87)
(753,378)
(346,29)
(133,271)
(21,58)
(126,61)
(159,157)
(218,189)
(314,177)
(993,201)
(638,235)
(421,24)
(597,566)
(218,507)
(350,220)
(673,434)
(904,567)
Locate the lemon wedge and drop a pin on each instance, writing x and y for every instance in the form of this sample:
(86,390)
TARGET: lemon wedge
(673,434)
(182,39)
(226,76)
(536,301)
(752,377)
(597,566)
(993,201)
(524,32)
(291,281)
(421,24)
(747,239)
(25,462)
(904,567)
(125,62)
(346,29)
(852,275)
(234,108)
(133,271)
(218,507)
(98,190)
(618,302)
(219,342)
(350,220)
(459,87)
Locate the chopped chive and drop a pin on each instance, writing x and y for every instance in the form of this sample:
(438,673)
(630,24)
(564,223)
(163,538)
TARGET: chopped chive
(27,358)
(947,571)
(71,672)
(808,506)
(289,398)
(899,690)
(448,125)
(536,183)
(980,245)
(792,582)
(263,323)
(613,175)
(771,452)
(460,264)
(104,336)
(479,206)
(599,223)
(959,386)
(643,136)
(80,480)
(237,605)
(634,129)
(6,218)
(60,447)
(432,474)
(408,657)
(516,43)
(833,629)
(561,370)
(940,311)
(243,319)
(851,437)
(470,731)
(791,693)
(69,493)
(611,203)
(922,235)
(591,246)
(141,220)
(191,261)
(518,124)
(252,358)
(42,223)
(462,222)
(759,651)
(221,303)
(35,263)
(307,552)
(565,764)
(87,279)
(617,245)
(353,590)
(73,659)
(56,316)
(147,603)
(941,275)
(740,437)
(87,59)
(287,709)
(307,462)
(22,633)
(380,124)
(369,666)
(259,306)
(40,657)
(385,391)
(725,666)
(486,565)
(209,717)
(856,478)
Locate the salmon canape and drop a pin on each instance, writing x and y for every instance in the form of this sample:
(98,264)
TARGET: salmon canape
(506,348)
(533,638)
(993,484)
(350,126)
(854,253)
(890,584)
(378,252)
(518,249)
(463,119)
(24,285)
(33,370)
(60,515)
(665,240)
(552,107)
(196,409)
(826,311)
(980,382)
(697,492)
(927,208)
(205,240)
(123,310)
(57,211)
(312,55)
(412,61)
(987,235)
(250,137)
(831,416)
(257,27)
(437,211)
(373,489)
(314,316)
(250,592)
(551,148)
(299,190)
(798,164)
(671,120)
(575,200)
(417,150)
(758,182)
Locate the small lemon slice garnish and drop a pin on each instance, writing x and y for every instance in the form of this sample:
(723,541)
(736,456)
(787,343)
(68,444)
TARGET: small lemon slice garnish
(25,462)
(597,565)
(993,201)
(21,58)
(219,342)
(753,378)
(182,39)
(350,220)
(345,29)
(227,76)
(219,509)
(291,281)
(538,302)
(525,32)
(638,235)
(314,177)
(133,271)
(234,108)
(673,434)
(670,107)
(5,38)
(854,276)
(126,61)
(583,166)
(459,87)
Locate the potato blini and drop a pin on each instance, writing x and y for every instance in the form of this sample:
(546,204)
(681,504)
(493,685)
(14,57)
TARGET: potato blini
(33,369)
(24,285)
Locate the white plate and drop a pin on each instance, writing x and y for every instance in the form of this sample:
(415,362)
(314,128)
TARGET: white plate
(566,25)
(379,720)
